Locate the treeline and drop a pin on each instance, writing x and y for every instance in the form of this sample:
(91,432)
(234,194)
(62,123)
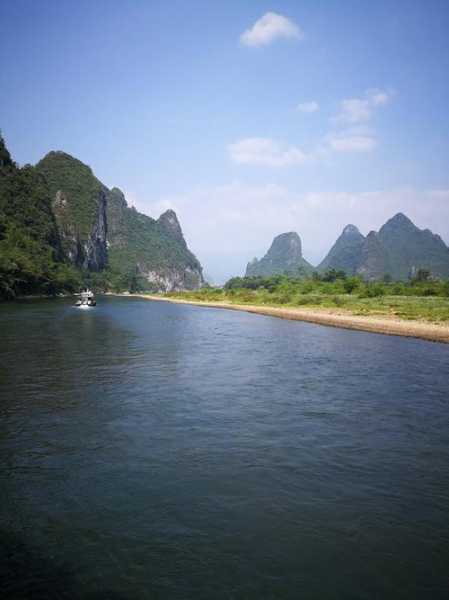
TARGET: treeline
(114,280)
(419,298)
(333,282)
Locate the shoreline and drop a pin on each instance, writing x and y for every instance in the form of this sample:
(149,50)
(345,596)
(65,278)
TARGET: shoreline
(387,326)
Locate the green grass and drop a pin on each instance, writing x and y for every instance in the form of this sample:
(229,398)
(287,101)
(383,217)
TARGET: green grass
(427,308)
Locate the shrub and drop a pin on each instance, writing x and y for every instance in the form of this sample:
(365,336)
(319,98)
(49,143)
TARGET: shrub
(338,300)
(350,284)
(373,290)
(307,287)
(398,289)
(428,291)
(332,275)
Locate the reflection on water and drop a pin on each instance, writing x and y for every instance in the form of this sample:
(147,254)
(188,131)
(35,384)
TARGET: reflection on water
(159,451)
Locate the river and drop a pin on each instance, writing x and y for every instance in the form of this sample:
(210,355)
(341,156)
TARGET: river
(154,450)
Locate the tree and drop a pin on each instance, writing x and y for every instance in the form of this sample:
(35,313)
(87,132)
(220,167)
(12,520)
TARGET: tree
(5,157)
(351,284)
(332,275)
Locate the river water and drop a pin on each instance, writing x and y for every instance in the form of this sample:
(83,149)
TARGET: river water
(152,450)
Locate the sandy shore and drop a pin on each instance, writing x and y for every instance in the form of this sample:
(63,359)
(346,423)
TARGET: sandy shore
(333,318)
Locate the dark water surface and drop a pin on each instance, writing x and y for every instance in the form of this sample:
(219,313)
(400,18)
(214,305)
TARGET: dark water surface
(152,450)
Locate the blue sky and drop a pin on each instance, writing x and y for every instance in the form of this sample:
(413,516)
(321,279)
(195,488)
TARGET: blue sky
(322,113)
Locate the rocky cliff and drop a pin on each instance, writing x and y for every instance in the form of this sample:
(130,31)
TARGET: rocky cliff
(283,257)
(155,250)
(98,229)
(79,205)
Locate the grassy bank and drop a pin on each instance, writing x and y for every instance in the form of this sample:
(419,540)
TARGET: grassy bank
(421,300)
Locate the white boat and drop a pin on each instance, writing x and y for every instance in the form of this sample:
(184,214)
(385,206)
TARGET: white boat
(87,299)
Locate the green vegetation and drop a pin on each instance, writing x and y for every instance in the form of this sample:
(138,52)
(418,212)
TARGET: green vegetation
(31,261)
(62,229)
(146,242)
(81,188)
(140,244)
(419,298)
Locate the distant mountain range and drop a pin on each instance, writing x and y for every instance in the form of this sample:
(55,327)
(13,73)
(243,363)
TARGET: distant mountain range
(398,251)
(60,225)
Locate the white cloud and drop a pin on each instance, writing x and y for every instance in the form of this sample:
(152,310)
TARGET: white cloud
(266,152)
(379,98)
(269,28)
(226,226)
(355,110)
(308,107)
(360,110)
(352,141)
(351,135)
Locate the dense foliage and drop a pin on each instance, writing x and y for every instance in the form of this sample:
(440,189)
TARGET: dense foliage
(54,238)
(30,254)
(336,282)
(81,188)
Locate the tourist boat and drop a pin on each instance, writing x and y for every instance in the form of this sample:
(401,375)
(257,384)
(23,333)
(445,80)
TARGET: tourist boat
(87,299)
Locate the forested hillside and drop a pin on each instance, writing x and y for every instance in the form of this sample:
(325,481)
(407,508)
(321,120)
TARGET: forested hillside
(61,229)
(31,257)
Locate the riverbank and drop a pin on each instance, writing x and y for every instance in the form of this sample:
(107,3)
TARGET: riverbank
(330,317)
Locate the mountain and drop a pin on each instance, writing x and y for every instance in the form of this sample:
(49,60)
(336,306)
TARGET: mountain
(372,259)
(31,255)
(409,249)
(79,206)
(398,250)
(283,257)
(59,225)
(98,229)
(154,250)
(345,253)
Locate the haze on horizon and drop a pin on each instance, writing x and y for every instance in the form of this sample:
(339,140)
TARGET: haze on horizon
(248,119)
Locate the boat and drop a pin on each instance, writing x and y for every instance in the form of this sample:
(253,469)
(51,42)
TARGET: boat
(86,300)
